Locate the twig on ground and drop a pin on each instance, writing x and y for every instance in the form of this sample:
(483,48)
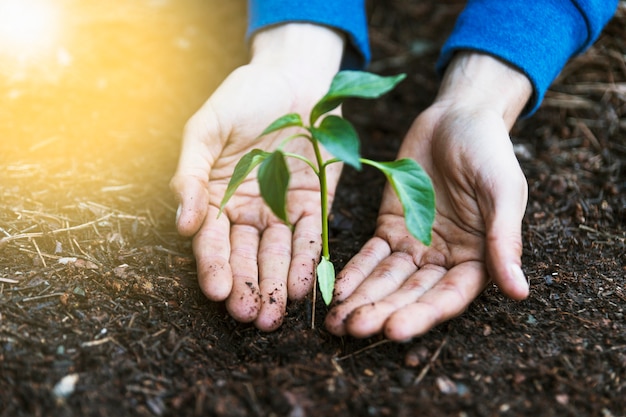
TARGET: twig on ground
(5,240)
(42,297)
(43,261)
(372,346)
(603,234)
(587,133)
(432,360)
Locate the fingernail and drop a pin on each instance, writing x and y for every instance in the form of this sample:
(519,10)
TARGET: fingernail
(520,278)
(178,211)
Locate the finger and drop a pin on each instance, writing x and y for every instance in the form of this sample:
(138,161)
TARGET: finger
(447,299)
(307,246)
(274,260)
(244,301)
(360,267)
(504,211)
(504,248)
(190,183)
(386,278)
(369,319)
(211,248)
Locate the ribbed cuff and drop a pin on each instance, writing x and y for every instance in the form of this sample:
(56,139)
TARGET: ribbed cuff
(347,16)
(538,38)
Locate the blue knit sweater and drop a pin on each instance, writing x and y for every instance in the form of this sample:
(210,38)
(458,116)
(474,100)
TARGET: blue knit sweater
(536,37)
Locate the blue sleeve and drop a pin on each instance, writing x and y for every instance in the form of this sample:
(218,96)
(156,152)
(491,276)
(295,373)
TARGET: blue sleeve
(346,15)
(537,37)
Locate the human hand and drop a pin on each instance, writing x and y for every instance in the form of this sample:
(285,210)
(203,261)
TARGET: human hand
(400,287)
(247,256)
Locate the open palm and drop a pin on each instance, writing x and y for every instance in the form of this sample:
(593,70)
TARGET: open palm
(247,256)
(400,287)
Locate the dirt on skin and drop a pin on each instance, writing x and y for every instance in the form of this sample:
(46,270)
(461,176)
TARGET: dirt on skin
(100,312)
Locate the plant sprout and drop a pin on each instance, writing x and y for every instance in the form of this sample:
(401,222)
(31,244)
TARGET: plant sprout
(337,135)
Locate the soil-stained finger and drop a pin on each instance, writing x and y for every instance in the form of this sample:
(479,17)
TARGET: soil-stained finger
(274,260)
(447,299)
(370,318)
(385,279)
(244,302)
(211,248)
(307,247)
(360,267)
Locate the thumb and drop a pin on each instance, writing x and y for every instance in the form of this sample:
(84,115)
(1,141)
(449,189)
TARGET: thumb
(504,236)
(190,183)
(504,259)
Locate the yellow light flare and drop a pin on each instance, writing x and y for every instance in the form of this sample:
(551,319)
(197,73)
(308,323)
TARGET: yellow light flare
(26,26)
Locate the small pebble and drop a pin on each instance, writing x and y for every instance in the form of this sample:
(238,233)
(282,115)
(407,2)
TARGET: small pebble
(65,387)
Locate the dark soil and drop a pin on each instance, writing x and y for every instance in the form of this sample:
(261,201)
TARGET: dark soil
(97,288)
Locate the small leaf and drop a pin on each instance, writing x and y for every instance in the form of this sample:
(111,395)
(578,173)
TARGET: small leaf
(288,120)
(415,191)
(339,137)
(357,84)
(245,165)
(326,279)
(273,183)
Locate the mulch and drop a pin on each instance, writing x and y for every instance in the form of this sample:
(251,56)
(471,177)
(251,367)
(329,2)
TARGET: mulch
(100,312)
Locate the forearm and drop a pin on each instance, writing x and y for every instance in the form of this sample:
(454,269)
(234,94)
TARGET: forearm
(536,37)
(346,16)
(480,81)
(311,52)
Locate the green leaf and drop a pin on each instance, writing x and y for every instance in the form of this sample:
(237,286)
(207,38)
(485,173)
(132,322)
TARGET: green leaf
(326,279)
(288,120)
(415,191)
(273,183)
(245,165)
(339,137)
(357,84)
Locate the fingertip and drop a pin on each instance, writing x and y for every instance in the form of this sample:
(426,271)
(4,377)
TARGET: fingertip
(361,323)
(273,306)
(216,294)
(503,265)
(186,223)
(189,217)
(400,329)
(212,286)
(269,322)
(335,322)
(369,319)
(243,309)
(299,288)
(193,202)
(516,285)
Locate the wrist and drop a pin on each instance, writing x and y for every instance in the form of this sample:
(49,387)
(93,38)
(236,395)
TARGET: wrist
(311,52)
(483,81)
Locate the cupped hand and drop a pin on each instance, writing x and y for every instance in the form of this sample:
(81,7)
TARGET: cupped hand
(398,286)
(247,256)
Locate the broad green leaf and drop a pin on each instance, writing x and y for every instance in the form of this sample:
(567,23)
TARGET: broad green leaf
(338,136)
(245,165)
(415,191)
(288,120)
(357,84)
(326,279)
(273,183)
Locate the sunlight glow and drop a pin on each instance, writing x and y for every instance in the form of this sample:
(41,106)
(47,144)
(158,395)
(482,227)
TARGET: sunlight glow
(26,26)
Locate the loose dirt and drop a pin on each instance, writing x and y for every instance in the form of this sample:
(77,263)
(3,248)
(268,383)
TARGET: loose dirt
(100,313)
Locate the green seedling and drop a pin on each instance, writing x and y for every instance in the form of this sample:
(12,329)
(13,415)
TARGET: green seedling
(337,135)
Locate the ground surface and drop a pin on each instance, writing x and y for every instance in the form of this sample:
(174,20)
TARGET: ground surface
(96,285)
